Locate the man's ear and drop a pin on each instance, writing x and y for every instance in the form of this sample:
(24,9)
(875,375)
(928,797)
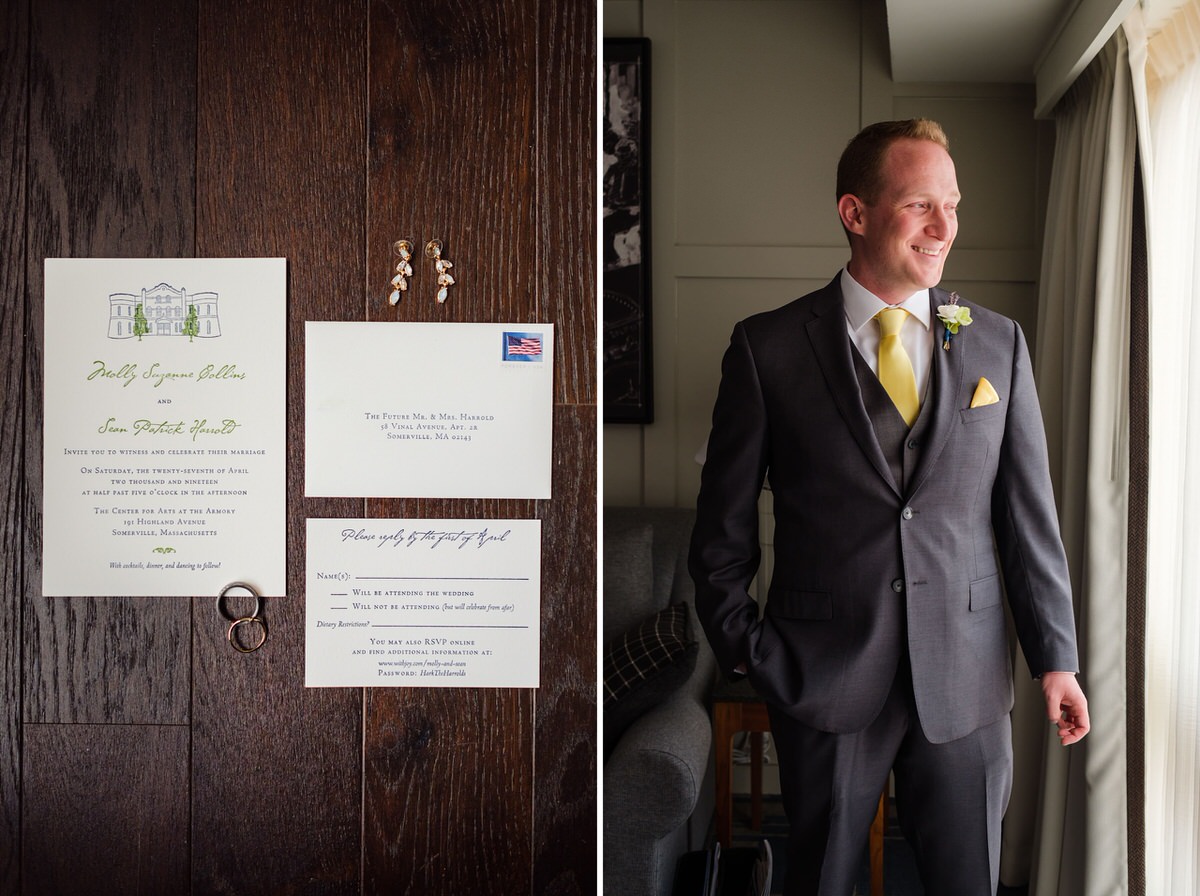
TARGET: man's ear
(850,210)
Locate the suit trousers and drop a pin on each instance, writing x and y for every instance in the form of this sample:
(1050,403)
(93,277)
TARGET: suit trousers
(950,798)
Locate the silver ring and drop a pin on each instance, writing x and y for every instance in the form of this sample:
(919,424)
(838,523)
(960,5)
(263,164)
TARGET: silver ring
(229,616)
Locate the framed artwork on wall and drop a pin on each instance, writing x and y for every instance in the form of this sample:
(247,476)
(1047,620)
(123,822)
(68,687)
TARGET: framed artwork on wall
(627,368)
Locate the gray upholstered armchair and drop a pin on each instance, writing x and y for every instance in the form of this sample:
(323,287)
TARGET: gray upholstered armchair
(658,767)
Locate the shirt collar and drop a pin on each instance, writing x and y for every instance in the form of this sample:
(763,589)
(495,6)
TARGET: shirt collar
(862,305)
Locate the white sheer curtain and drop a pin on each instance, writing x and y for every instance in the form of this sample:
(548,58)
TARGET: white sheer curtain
(1076,797)
(1169,118)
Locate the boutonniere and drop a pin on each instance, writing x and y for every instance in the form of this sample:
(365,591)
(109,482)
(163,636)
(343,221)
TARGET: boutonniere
(952,317)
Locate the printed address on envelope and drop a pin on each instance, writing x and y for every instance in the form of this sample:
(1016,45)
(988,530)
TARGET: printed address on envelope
(423,603)
(428,410)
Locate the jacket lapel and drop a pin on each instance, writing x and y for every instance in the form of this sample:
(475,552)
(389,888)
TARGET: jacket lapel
(831,346)
(947,368)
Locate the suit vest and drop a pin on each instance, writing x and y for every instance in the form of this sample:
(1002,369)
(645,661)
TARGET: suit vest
(901,446)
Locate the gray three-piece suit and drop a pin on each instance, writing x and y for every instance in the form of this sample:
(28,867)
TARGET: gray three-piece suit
(894,549)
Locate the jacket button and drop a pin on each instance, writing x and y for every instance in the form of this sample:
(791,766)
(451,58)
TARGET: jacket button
(907,513)
(898,585)
(912,444)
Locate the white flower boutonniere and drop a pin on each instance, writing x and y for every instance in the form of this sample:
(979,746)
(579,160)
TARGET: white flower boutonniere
(952,317)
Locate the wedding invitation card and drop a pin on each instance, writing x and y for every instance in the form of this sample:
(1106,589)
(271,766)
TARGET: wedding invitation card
(165,420)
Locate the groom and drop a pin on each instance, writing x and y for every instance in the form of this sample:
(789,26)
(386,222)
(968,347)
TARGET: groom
(899,431)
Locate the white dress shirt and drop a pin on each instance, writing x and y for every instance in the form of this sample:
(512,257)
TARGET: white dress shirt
(861,308)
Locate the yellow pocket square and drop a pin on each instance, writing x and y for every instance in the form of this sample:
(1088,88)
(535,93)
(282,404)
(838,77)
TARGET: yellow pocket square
(984,394)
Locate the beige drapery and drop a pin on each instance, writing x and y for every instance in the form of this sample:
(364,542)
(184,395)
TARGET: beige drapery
(1066,828)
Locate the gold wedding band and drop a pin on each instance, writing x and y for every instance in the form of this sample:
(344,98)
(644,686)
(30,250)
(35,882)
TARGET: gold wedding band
(236,621)
(238,645)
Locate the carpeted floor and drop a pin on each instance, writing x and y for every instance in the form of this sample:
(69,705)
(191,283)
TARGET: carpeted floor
(899,871)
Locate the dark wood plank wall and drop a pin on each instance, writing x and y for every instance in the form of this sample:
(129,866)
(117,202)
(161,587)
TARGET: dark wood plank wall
(139,752)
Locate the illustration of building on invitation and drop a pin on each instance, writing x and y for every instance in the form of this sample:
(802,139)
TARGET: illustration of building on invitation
(163,311)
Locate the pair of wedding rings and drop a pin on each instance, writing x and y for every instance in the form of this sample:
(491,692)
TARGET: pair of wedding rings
(243,642)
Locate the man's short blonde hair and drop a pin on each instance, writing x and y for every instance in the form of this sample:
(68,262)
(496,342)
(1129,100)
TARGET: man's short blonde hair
(860,169)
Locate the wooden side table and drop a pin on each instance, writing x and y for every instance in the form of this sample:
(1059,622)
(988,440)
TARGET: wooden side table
(737,707)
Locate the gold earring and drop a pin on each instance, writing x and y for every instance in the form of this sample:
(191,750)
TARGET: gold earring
(403,250)
(433,249)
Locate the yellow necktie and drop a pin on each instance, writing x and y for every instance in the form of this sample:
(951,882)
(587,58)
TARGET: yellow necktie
(895,368)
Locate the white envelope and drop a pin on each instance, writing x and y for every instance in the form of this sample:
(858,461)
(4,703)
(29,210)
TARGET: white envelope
(428,410)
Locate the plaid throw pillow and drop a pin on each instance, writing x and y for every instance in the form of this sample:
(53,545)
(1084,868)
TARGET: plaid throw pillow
(645,652)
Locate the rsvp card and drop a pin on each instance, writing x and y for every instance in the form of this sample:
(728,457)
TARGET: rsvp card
(423,603)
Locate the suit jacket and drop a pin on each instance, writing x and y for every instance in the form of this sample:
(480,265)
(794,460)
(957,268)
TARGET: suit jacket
(866,571)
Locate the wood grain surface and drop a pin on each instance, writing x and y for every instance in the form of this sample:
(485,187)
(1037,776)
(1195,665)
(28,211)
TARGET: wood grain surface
(138,751)
(111,161)
(109,171)
(475,140)
(131,778)
(14,502)
(564,855)
(280,146)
